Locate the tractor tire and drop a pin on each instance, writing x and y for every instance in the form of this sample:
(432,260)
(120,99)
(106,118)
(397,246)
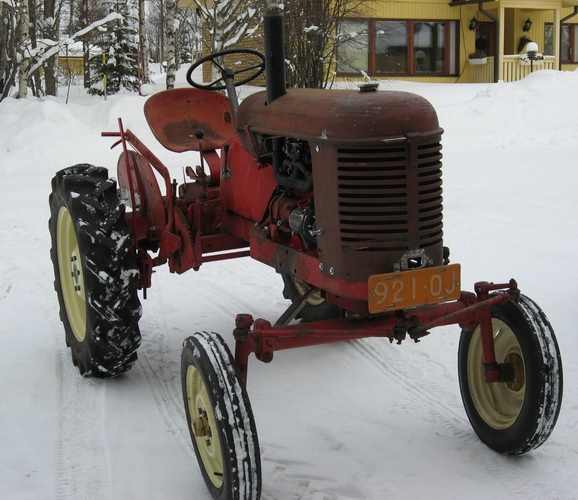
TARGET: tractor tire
(95,272)
(220,419)
(517,416)
(316,308)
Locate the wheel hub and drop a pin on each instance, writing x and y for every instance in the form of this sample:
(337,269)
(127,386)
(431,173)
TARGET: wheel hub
(75,272)
(498,403)
(517,364)
(204,426)
(71,275)
(201,426)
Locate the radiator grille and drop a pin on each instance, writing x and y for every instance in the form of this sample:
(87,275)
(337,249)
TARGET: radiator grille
(390,196)
(429,185)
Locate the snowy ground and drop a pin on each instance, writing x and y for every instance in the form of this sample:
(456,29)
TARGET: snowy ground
(360,420)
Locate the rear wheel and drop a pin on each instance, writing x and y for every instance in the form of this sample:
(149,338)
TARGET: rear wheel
(220,419)
(95,271)
(516,416)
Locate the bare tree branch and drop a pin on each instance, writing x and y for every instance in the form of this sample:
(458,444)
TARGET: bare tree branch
(312,39)
(57,45)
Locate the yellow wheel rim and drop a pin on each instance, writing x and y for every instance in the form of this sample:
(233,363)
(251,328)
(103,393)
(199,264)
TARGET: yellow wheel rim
(498,403)
(204,426)
(315,299)
(71,275)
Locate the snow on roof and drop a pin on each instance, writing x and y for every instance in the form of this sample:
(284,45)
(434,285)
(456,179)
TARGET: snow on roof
(75,50)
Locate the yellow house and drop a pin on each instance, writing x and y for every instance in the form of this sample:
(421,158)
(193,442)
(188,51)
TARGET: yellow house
(459,40)
(71,59)
(465,41)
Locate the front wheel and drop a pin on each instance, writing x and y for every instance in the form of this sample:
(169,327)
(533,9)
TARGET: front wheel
(516,416)
(220,419)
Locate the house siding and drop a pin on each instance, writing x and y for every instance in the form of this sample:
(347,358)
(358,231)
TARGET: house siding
(538,11)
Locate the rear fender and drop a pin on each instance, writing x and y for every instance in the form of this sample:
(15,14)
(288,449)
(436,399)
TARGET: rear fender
(148,198)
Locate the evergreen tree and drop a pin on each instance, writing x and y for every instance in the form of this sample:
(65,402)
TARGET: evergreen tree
(117,64)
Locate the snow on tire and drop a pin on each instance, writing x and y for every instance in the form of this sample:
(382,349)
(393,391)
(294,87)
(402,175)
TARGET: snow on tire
(220,419)
(95,273)
(516,416)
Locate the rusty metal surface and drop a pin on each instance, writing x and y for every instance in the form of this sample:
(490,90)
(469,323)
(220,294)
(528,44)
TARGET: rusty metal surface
(336,115)
(146,185)
(377,203)
(246,187)
(262,338)
(190,119)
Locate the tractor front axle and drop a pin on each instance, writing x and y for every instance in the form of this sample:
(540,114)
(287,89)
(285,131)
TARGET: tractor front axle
(263,339)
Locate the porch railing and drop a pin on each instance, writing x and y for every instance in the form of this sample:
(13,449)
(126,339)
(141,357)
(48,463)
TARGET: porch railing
(481,71)
(515,68)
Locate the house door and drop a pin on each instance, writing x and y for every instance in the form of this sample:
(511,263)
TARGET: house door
(486,38)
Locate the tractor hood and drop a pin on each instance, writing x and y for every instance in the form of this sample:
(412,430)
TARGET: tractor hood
(336,115)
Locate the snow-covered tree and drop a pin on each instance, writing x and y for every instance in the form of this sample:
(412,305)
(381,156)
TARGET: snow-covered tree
(116,65)
(143,53)
(23,47)
(188,35)
(8,58)
(171,6)
(227,22)
(312,39)
(50,28)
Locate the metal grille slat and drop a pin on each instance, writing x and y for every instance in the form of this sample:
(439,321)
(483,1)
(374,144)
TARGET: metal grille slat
(377,209)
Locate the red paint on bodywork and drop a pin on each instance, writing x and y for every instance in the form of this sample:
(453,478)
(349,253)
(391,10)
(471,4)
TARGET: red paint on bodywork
(246,185)
(263,339)
(190,119)
(305,267)
(146,185)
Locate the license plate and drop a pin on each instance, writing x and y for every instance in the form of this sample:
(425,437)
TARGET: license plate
(416,287)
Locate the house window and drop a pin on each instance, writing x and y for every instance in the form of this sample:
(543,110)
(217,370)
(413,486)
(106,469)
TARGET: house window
(352,47)
(548,39)
(568,44)
(398,47)
(428,48)
(391,47)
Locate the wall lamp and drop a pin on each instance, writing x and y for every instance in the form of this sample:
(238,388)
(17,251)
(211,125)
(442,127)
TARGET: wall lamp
(527,25)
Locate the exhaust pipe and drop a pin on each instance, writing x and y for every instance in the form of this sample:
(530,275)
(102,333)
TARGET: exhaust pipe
(274,50)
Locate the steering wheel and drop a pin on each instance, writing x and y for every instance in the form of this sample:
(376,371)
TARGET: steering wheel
(227,73)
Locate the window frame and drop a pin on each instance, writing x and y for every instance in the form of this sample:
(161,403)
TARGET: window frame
(551,26)
(572,28)
(369,43)
(371,47)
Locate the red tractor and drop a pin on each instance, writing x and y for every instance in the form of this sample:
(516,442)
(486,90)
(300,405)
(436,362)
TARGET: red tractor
(340,192)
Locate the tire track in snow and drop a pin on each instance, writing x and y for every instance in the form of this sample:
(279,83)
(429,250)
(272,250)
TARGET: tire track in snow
(5,292)
(456,423)
(497,467)
(82,455)
(170,409)
(160,377)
